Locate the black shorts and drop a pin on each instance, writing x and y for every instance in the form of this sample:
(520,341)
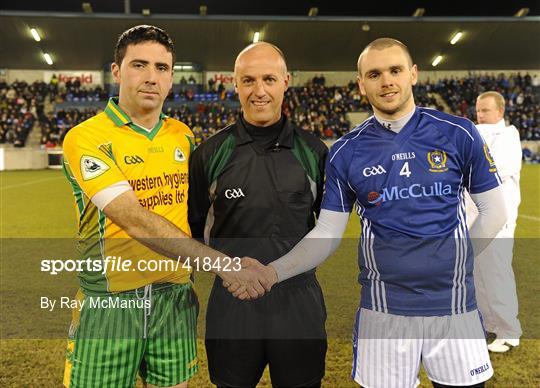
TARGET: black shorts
(284,329)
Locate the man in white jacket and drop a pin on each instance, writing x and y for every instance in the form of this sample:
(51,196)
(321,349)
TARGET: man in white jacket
(493,275)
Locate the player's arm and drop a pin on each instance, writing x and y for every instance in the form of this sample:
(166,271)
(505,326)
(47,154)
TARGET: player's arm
(322,240)
(485,187)
(94,169)
(153,230)
(492,215)
(316,246)
(163,237)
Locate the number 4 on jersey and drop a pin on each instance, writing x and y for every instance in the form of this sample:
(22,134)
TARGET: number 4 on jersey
(405,170)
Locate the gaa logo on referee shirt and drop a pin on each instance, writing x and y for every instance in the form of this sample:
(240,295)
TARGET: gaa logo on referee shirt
(234,193)
(92,167)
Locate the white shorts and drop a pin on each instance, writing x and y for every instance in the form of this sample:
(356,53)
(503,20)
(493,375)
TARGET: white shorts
(388,349)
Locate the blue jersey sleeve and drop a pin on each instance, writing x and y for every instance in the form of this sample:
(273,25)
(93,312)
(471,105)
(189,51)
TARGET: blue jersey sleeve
(483,174)
(338,196)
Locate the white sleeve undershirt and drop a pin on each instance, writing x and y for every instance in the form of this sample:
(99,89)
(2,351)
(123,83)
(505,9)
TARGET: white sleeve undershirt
(492,215)
(315,247)
(103,197)
(324,239)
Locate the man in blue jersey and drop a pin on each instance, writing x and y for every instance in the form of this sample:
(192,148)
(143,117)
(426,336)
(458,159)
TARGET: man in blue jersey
(406,169)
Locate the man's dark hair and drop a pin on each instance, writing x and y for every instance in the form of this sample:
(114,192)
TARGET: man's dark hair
(141,34)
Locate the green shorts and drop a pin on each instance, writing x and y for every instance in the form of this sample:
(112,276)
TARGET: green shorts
(151,330)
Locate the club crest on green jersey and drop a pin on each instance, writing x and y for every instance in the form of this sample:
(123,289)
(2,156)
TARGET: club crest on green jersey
(179,155)
(92,167)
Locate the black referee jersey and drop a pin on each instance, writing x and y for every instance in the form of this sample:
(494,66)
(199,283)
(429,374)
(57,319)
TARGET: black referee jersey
(256,191)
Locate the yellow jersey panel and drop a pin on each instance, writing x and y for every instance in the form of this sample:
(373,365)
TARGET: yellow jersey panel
(107,149)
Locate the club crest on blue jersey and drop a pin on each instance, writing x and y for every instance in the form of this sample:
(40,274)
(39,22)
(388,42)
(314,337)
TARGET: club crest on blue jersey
(489,158)
(437,161)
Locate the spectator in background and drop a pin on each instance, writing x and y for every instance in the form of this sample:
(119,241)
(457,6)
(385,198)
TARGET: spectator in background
(493,275)
(211,85)
(222,92)
(522,96)
(53,80)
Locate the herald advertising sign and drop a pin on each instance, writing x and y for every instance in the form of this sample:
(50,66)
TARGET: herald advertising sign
(87,78)
(224,77)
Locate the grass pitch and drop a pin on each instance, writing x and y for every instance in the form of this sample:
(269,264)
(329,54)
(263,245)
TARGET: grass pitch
(37,214)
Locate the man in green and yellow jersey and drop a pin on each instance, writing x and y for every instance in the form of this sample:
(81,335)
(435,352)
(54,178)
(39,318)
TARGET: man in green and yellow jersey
(128,167)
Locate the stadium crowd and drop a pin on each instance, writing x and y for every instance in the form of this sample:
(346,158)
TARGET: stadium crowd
(21,104)
(322,109)
(521,92)
(54,126)
(315,107)
(207,119)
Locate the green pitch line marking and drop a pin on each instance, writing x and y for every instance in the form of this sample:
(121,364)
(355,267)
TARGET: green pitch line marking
(30,183)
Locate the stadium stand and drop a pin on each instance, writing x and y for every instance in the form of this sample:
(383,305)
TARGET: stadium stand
(54,126)
(207,118)
(314,107)
(521,92)
(322,109)
(20,106)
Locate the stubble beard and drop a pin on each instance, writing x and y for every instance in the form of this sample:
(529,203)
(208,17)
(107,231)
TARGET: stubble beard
(387,111)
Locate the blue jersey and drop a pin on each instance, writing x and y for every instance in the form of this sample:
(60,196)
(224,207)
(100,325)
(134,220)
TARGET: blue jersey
(414,255)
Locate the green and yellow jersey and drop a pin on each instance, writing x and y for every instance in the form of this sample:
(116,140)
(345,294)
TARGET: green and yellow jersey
(108,149)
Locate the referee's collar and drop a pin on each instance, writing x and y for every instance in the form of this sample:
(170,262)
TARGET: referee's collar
(285,138)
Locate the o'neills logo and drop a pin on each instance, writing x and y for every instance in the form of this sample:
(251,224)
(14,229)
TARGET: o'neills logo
(415,190)
(83,78)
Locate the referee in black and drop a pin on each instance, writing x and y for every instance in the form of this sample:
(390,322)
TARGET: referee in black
(255,189)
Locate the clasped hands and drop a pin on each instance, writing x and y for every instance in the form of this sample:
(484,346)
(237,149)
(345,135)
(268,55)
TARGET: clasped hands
(252,281)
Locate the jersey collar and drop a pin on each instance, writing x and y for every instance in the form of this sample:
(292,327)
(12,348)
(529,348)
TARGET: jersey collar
(120,118)
(405,132)
(285,138)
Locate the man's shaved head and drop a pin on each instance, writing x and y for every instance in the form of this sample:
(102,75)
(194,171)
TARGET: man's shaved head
(256,48)
(261,79)
(381,44)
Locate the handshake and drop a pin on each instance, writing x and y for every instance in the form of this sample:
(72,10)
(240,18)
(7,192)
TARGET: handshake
(252,281)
